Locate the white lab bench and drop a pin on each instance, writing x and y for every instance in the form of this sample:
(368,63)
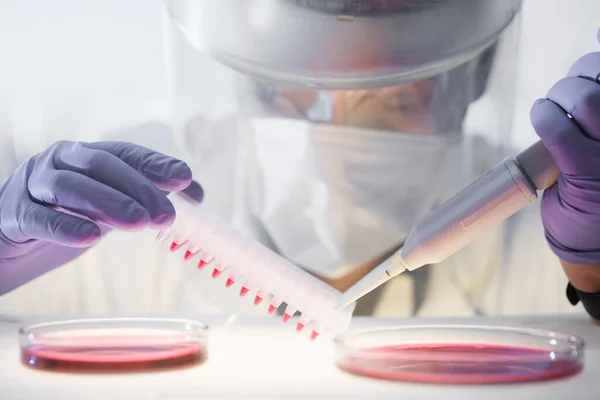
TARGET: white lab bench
(261,358)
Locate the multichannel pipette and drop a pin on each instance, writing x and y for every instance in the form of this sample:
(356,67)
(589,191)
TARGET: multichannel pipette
(260,270)
(498,194)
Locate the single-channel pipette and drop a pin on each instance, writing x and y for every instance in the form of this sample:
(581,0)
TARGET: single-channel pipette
(501,192)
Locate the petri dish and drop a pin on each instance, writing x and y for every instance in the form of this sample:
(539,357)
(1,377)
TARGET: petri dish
(114,345)
(458,354)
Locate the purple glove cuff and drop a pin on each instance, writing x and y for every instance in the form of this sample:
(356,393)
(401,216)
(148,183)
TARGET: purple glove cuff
(579,257)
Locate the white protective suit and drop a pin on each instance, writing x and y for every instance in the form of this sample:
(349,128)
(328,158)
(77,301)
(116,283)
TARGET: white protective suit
(60,57)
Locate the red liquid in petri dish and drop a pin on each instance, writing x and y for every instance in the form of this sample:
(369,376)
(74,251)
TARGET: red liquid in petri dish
(98,355)
(458,364)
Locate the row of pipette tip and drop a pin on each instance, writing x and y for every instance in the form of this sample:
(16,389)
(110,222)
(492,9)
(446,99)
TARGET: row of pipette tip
(219,268)
(260,268)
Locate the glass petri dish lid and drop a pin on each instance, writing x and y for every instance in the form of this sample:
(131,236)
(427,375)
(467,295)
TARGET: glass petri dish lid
(459,354)
(114,344)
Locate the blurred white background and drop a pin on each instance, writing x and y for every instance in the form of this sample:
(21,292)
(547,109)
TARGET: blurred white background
(554,34)
(68,49)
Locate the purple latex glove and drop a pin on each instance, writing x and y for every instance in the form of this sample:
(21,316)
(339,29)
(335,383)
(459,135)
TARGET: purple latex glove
(116,185)
(571,208)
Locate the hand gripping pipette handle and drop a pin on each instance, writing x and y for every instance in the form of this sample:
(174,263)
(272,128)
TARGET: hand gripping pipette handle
(500,193)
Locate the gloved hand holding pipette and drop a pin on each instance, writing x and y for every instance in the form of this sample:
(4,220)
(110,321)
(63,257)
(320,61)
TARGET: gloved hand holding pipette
(571,208)
(114,184)
(565,165)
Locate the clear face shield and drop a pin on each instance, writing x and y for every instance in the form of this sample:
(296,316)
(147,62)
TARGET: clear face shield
(330,127)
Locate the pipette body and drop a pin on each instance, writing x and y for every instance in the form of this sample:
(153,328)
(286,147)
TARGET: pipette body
(499,193)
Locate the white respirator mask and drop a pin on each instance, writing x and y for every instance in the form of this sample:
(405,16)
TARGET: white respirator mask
(332,197)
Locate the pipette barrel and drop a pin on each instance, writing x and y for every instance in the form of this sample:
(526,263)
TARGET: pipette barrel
(497,195)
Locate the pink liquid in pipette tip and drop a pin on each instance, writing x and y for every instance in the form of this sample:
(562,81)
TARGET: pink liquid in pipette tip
(218,270)
(459,364)
(314,334)
(244,291)
(229,283)
(302,323)
(275,303)
(176,246)
(286,317)
(257,300)
(205,260)
(191,251)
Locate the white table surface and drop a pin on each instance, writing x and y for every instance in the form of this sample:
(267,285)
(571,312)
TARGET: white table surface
(260,358)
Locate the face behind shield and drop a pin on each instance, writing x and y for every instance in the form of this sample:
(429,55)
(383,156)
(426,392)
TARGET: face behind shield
(333,177)
(334,197)
(344,175)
